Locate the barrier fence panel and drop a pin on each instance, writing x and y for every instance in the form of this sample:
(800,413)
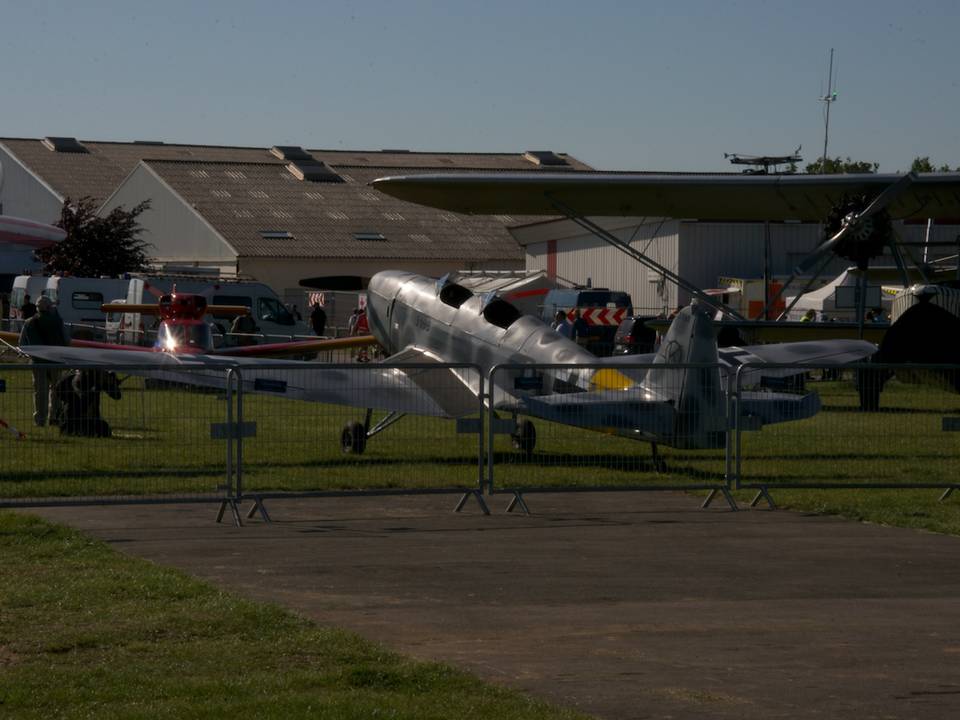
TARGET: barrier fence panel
(862,437)
(603,427)
(307,429)
(150,440)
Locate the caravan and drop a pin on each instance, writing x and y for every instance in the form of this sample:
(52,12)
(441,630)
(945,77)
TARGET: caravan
(78,299)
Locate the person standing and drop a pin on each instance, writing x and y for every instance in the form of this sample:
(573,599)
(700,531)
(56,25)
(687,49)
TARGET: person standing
(318,319)
(28,309)
(44,327)
(562,324)
(580,333)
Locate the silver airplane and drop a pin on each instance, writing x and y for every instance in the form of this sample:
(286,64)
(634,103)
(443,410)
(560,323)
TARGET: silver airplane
(429,324)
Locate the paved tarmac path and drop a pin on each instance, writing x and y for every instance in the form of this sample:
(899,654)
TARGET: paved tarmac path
(622,605)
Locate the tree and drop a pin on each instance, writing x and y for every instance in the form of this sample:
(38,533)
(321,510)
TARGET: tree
(923,165)
(97,245)
(837,165)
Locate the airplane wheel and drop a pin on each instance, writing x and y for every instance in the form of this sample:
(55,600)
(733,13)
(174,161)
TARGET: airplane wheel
(524,437)
(353,439)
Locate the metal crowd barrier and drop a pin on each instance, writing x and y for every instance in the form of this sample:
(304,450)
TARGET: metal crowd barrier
(160,441)
(252,432)
(595,446)
(903,436)
(290,446)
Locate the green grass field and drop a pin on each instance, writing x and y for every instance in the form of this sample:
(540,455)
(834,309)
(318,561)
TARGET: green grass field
(162,446)
(86,632)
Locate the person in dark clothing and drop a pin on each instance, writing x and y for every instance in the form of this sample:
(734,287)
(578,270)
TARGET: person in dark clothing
(28,309)
(45,327)
(243,329)
(318,319)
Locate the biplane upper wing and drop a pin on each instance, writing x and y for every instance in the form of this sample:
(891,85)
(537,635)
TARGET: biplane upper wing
(714,197)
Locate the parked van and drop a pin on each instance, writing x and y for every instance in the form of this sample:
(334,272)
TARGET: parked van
(274,321)
(602,310)
(78,301)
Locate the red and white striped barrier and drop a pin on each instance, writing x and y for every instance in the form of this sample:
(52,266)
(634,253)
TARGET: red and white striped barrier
(600,316)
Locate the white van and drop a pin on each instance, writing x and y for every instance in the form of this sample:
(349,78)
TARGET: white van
(78,301)
(274,321)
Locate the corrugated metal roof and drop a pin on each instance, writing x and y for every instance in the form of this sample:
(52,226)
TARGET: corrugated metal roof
(240,200)
(99,172)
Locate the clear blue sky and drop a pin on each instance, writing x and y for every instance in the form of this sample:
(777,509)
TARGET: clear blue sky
(620,85)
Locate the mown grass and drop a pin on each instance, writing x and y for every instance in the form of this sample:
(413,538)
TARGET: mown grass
(86,632)
(162,445)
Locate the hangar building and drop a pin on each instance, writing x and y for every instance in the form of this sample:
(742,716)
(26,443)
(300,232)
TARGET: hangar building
(699,251)
(280,214)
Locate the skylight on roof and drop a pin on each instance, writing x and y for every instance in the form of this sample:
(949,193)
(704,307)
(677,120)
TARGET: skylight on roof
(544,157)
(259,194)
(337,215)
(369,236)
(276,235)
(64,145)
(393,216)
(290,152)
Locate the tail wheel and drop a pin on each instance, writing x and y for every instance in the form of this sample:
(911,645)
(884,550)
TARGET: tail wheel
(524,437)
(353,439)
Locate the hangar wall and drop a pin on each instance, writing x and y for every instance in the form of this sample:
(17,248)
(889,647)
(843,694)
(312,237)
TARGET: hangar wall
(23,195)
(176,232)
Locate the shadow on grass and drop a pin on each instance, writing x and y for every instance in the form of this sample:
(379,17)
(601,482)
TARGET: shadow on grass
(95,474)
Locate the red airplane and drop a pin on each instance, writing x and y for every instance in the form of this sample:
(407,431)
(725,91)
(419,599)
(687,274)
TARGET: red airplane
(184,331)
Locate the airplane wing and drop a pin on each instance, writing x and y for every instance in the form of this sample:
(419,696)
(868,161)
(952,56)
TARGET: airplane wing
(714,197)
(295,347)
(371,387)
(825,352)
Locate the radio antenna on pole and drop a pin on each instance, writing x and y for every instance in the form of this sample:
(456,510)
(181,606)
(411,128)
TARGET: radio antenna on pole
(828,100)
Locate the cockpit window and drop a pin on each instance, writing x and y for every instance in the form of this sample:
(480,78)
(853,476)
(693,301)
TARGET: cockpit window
(501,313)
(454,295)
(185,337)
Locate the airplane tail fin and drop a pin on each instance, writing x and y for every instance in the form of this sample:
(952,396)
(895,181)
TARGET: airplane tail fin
(696,393)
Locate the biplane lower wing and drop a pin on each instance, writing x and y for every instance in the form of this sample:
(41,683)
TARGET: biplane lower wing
(418,391)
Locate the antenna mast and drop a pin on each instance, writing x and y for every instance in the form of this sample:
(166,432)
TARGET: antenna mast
(828,99)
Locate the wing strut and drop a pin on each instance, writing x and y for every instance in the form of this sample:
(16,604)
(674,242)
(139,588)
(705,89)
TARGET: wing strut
(640,257)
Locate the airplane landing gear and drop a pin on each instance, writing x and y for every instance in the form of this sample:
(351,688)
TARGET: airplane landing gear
(524,438)
(353,439)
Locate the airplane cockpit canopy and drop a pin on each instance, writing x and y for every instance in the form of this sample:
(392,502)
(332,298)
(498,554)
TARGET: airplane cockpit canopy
(189,337)
(499,312)
(452,294)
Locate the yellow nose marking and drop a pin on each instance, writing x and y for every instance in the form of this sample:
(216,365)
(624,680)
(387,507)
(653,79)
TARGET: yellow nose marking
(610,379)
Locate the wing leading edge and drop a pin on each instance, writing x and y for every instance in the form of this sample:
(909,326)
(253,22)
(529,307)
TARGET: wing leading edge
(713,197)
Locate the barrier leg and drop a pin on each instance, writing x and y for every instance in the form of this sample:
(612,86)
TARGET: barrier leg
(258,506)
(518,502)
(762,493)
(479,497)
(233,509)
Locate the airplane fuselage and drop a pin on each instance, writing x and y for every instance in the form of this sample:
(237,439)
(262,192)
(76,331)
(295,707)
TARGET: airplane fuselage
(452,325)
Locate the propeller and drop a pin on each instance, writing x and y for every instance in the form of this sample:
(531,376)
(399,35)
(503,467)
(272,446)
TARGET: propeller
(858,236)
(857,230)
